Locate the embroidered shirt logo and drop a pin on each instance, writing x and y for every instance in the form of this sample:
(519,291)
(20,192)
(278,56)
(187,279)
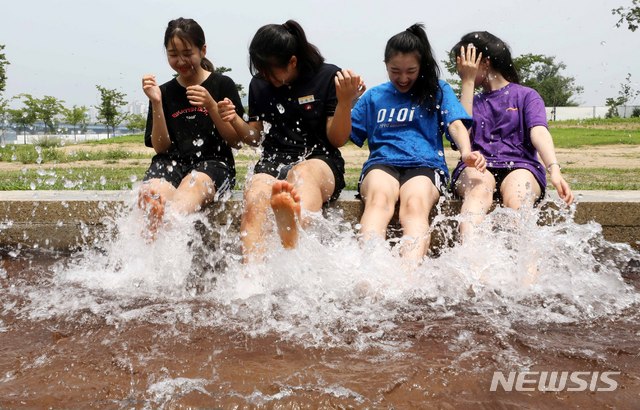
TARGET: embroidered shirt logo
(512,108)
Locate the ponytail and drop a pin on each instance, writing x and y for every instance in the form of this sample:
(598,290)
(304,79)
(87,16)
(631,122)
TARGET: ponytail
(273,46)
(415,40)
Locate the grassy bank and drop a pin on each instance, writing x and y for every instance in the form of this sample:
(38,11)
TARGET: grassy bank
(113,166)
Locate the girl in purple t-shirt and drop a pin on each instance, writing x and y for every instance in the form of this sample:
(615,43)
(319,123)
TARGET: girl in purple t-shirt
(509,129)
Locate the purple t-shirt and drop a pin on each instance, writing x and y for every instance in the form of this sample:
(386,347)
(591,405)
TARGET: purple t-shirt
(502,121)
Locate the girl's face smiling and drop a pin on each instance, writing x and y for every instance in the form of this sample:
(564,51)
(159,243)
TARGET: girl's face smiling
(403,70)
(183,57)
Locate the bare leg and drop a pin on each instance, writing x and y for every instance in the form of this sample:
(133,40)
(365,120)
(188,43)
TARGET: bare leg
(152,199)
(380,192)
(519,188)
(194,192)
(285,203)
(417,197)
(476,188)
(314,182)
(257,197)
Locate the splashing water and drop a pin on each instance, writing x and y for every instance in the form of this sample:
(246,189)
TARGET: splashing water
(480,300)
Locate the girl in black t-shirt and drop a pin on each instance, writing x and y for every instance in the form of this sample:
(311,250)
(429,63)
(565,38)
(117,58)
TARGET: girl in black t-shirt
(193,158)
(299,111)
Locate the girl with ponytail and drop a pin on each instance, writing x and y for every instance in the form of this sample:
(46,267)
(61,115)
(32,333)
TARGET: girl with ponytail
(403,121)
(193,160)
(299,112)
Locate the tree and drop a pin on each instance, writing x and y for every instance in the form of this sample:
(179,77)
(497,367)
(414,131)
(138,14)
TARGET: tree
(22,117)
(108,114)
(3,73)
(136,122)
(542,74)
(239,87)
(630,15)
(4,116)
(76,116)
(626,94)
(45,109)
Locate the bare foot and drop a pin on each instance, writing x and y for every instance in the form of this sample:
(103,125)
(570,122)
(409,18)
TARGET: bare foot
(153,205)
(285,203)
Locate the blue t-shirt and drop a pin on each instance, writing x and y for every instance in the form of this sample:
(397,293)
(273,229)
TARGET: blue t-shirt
(402,133)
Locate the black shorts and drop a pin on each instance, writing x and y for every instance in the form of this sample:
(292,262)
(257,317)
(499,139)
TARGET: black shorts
(402,174)
(174,169)
(278,166)
(500,174)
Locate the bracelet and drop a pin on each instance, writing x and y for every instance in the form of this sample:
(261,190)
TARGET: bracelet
(552,164)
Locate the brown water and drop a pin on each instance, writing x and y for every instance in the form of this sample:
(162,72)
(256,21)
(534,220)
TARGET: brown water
(331,325)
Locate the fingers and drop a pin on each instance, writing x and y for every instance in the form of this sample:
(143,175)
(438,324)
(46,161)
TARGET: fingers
(565,192)
(148,81)
(226,110)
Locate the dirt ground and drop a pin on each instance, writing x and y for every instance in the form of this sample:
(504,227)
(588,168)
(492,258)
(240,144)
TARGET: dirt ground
(606,156)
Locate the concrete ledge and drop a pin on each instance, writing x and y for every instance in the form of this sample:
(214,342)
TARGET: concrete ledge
(66,220)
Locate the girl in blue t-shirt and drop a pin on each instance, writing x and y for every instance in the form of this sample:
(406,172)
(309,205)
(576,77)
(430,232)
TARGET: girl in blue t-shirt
(403,121)
(509,129)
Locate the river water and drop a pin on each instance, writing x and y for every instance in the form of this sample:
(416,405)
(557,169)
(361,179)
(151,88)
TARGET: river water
(333,324)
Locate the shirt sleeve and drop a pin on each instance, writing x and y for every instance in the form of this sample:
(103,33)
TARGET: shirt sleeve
(359,120)
(331,100)
(149,127)
(451,109)
(534,110)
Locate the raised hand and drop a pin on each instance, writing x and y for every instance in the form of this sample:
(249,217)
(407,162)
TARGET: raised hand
(151,88)
(468,63)
(349,86)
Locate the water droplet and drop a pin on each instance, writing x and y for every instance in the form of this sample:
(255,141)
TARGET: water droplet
(280,108)
(603,43)
(32,186)
(133,178)
(103,180)
(440,153)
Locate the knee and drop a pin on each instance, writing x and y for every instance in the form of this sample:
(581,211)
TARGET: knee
(380,202)
(516,198)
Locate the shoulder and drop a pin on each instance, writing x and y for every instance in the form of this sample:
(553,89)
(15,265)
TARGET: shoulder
(173,83)
(445,87)
(219,79)
(325,72)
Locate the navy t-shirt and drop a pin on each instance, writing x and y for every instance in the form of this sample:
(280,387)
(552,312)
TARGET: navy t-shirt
(295,116)
(192,132)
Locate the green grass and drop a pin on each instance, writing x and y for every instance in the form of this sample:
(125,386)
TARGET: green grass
(124,139)
(566,134)
(107,178)
(581,137)
(30,154)
(602,178)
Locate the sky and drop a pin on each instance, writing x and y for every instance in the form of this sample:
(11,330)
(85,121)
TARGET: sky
(64,48)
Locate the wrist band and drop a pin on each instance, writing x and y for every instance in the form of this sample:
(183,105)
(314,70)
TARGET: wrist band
(552,164)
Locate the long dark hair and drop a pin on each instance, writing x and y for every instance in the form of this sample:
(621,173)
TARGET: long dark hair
(496,50)
(273,46)
(189,32)
(414,40)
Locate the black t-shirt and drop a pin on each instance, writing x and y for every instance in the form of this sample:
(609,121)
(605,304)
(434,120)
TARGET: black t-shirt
(192,132)
(296,114)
